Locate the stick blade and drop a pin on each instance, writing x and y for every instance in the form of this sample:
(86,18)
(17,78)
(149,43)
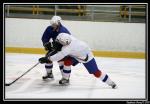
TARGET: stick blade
(7,84)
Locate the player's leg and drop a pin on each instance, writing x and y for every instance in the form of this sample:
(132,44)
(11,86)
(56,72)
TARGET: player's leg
(49,74)
(61,66)
(92,68)
(105,78)
(48,67)
(66,71)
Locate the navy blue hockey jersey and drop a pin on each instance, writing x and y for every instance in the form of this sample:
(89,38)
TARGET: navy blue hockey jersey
(50,34)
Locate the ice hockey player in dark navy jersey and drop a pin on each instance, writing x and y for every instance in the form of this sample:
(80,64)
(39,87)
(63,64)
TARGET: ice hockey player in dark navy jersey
(53,30)
(53,47)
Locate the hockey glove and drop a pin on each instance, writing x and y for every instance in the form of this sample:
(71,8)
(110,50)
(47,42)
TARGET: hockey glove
(48,46)
(57,46)
(43,60)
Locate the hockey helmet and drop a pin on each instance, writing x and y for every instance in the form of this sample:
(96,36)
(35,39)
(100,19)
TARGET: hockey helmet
(55,20)
(64,39)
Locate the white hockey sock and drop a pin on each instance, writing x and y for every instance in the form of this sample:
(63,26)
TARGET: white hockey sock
(105,78)
(66,72)
(48,67)
(109,81)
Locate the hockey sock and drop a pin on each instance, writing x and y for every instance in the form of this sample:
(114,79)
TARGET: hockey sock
(66,72)
(48,67)
(67,68)
(104,77)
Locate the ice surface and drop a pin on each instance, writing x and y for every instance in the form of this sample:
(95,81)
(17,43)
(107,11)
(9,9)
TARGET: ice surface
(129,75)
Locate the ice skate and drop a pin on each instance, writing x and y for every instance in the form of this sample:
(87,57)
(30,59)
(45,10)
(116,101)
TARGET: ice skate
(48,76)
(113,85)
(64,81)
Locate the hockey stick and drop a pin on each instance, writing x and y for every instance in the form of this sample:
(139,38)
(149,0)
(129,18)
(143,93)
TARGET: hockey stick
(8,84)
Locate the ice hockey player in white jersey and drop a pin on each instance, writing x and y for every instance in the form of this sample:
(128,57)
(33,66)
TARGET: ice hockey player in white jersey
(78,51)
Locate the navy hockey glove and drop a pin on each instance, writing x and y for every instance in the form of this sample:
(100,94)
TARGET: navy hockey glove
(43,60)
(48,46)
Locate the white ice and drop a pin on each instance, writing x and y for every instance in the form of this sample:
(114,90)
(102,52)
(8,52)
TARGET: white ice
(129,75)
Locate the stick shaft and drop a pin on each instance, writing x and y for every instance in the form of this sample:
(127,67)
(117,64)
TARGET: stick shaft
(22,74)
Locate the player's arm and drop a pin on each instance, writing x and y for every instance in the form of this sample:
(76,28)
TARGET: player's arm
(46,37)
(56,57)
(60,55)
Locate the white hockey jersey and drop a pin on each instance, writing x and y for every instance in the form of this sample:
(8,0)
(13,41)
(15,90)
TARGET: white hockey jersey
(77,49)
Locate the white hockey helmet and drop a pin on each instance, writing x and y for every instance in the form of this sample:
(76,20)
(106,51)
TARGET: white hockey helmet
(55,20)
(64,39)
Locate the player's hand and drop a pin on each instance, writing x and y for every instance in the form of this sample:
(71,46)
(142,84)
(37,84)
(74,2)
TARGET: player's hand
(47,46)
(43,60)
(57,46)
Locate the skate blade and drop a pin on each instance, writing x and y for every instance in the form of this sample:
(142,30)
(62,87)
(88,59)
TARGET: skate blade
(48,79)
(65,84)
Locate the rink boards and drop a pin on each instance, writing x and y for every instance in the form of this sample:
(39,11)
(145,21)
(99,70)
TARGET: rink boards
(116,54)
